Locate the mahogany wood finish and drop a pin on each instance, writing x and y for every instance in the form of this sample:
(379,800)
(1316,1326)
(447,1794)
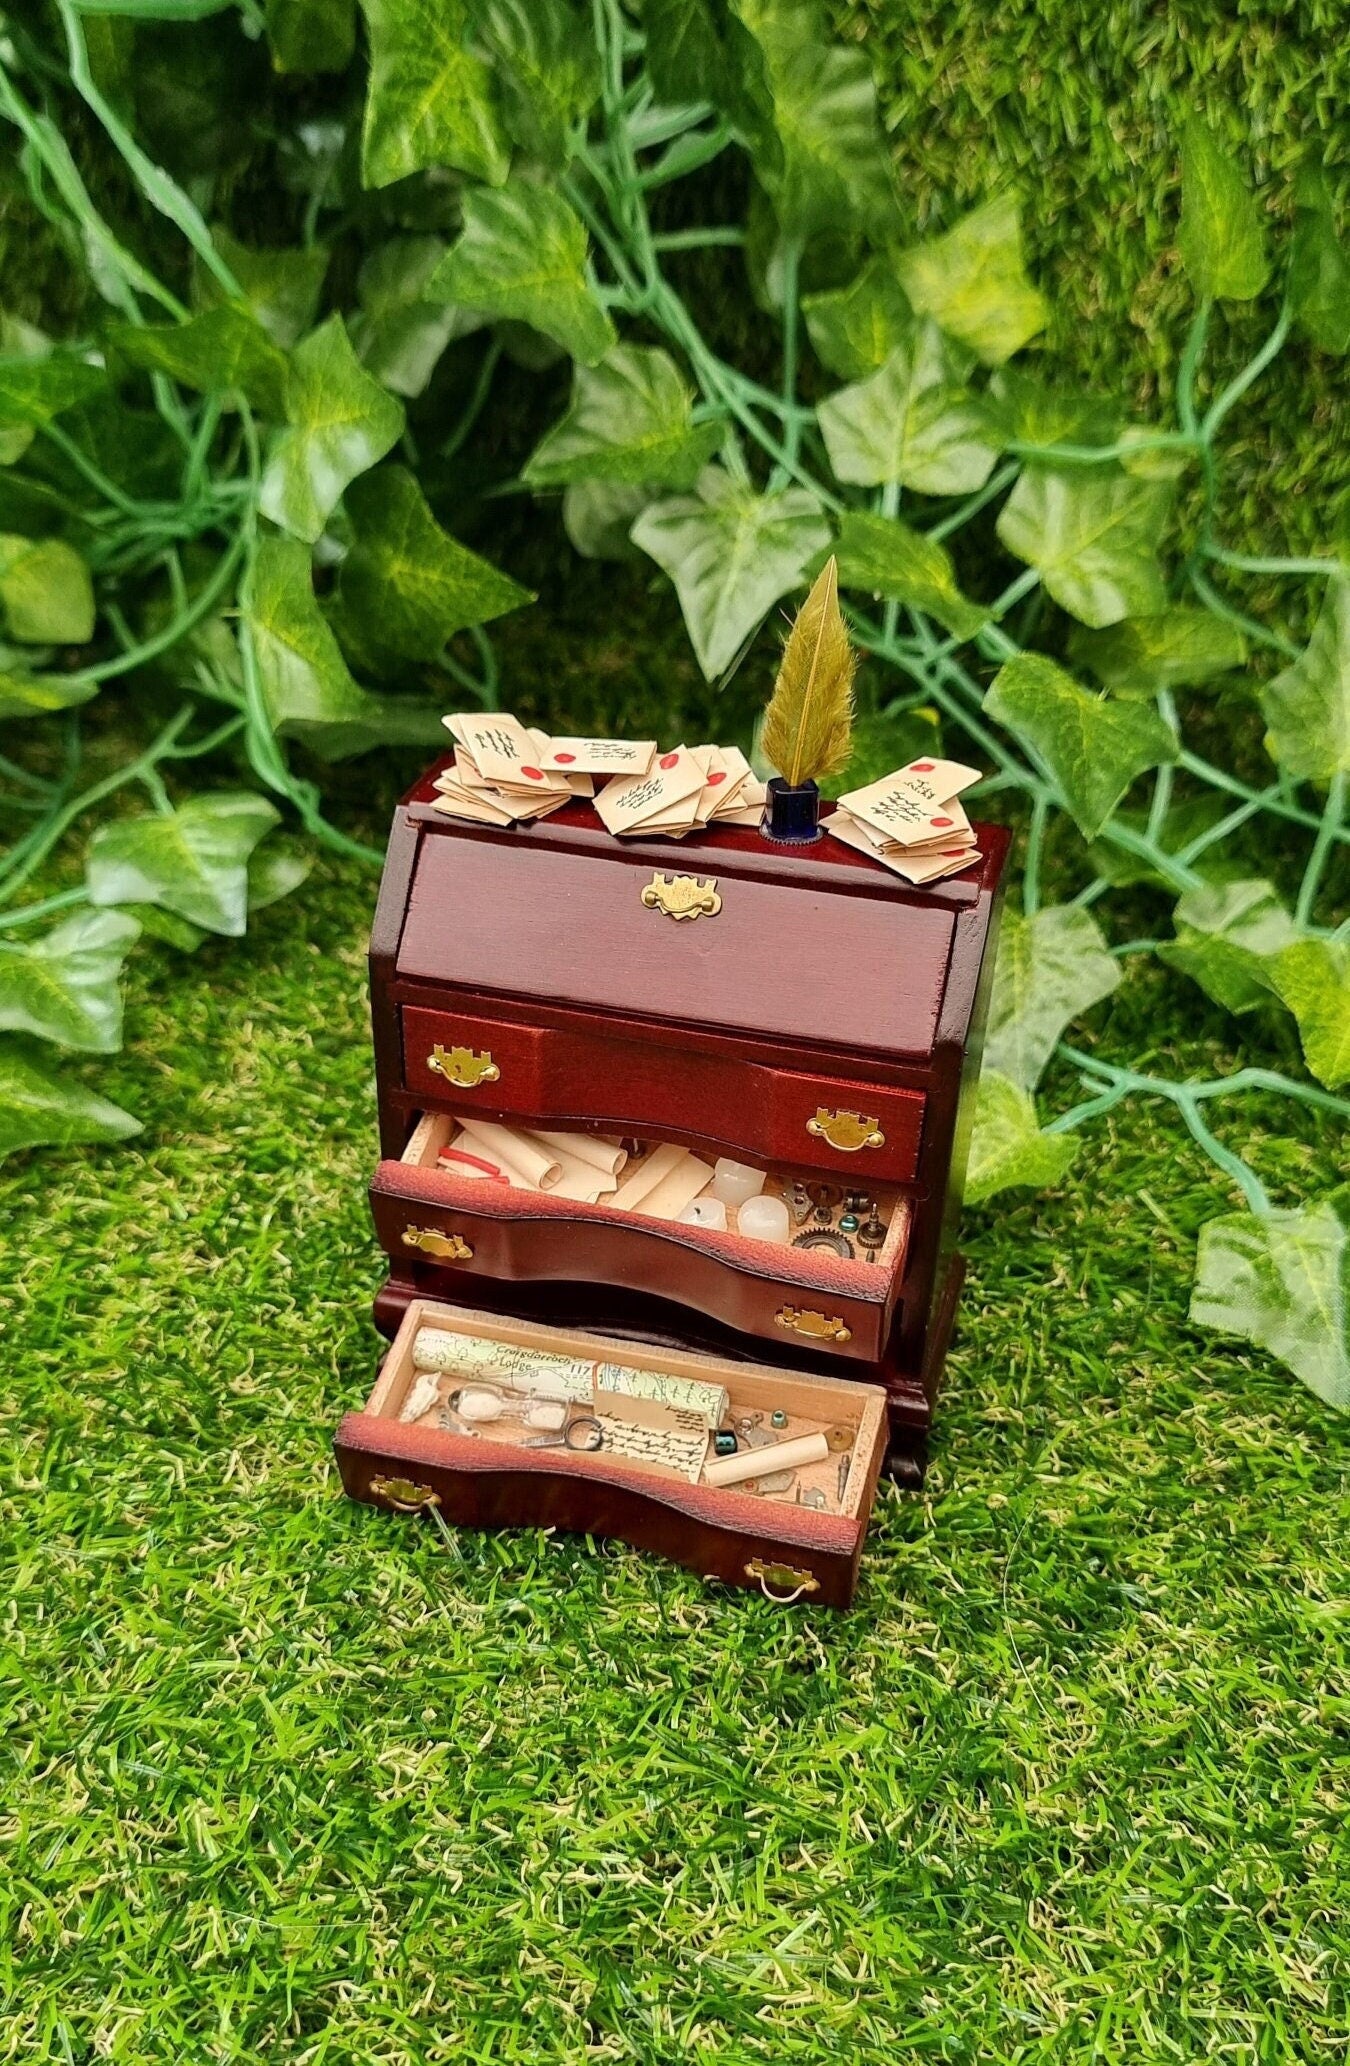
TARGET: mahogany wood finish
(823,982)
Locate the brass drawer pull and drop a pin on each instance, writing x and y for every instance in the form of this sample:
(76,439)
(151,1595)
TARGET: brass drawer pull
(682,896)
(451,1248)
(820,1326)
(776,1579)
(847,1131)
(462,1067)
(404,1495)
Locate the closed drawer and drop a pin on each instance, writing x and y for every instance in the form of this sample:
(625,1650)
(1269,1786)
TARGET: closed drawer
(853,1129)
(774,1293)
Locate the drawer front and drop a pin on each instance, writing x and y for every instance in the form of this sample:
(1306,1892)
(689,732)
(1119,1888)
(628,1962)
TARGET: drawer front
(859,1131)
(815,1302)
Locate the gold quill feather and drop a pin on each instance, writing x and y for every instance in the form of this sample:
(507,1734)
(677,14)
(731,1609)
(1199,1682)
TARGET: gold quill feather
(808,726)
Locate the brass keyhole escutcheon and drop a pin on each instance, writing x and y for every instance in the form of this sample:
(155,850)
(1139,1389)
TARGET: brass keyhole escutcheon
(404,1495)
(847,1131)
(682,896)
(448,1248)
(816,1326)
(462,1067)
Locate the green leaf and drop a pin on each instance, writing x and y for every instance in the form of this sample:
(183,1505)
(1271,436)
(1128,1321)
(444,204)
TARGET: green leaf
(1179,648)
(699,50)
(1319,267)
(339,423)
(36,388)
(830,165)
(1228,937)
(38,695)
(64,986)
(400,330)
(629,421)
(1307,707)
(910,422)
(731,553)
(275,871)
(311,35)
(221,348)
(1030,413)
(547,69)
(1092,536)
(1280,1281)
(598,517)
(159,924)
(1050,968)
(1092,748)
(193,860)
(886,558)
(46,593)
(280,288)
(308,691)
(430,101)
(856,328)
(1007,1147)
(974,284)
(1223,245)
(409,582)
(1313,978)
(523,254)
(39,1110)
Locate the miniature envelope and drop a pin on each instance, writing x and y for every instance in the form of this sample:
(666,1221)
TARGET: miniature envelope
(628,802)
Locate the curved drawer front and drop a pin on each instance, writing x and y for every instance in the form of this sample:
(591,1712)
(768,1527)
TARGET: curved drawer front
(778,1294)
(856,1130)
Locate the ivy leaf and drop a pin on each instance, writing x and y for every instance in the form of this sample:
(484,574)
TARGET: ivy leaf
(598,517)
(409,582)
(909,422)
(1313,978)
(1092,537)
(523,255)
(429,102)
(1179,648)
(36,388)
(856,328)
(275,871)
(1307,707)
(280,288)
(220,348)
(888,559)
(1281,1281)
(1223,245)
(311,35)
(700,50)
(308,691)
(1031,413)
(339,423)
(1228,937)
(38,1110)
(1319,267)
(38,695)
(1092,748)
(193,860)
(547,69)
(629,421)
(830,165)
(64,986)
(400,329)
(1007,1147)
(1050,969)
(974,284)
(46,592)
(731,553)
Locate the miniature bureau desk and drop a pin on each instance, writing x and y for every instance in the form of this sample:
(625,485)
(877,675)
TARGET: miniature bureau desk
(792,1006)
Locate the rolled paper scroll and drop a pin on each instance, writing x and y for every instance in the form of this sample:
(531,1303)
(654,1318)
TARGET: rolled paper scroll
(531,1167)
(570,1377)
(640,1181)
(664,1184)
(603,1155)
(774,1456)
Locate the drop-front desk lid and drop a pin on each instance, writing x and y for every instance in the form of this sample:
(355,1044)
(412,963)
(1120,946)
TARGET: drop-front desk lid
(816,943)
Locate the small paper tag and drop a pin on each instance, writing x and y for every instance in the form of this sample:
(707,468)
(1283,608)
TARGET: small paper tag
(601,756)
(500,747)
(935,781)
(894,809)
(625,804)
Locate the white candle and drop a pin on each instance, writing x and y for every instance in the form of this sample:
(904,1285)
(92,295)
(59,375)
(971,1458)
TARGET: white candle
(763,1219)
(706,1212)
(734,1182)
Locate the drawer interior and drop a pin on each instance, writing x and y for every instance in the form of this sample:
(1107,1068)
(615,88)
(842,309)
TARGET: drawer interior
(849,1418)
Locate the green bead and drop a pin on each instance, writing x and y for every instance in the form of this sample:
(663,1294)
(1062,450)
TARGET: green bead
(848,1223)
(778,1419)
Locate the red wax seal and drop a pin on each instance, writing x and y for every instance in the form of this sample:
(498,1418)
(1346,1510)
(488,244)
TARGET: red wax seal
(714,779)
(952,853)
(942,821)
(669,760)
(533,774)
(564,760)
(923,767)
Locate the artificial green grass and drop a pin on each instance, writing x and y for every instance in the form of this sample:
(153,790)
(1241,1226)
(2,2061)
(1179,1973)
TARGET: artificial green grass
(287,1779)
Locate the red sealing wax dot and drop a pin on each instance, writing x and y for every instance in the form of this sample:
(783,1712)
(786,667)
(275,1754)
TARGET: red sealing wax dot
(669,760)
(942,821)
(533,774)
(714,779)
(924,767)
(564,760)
(951,853)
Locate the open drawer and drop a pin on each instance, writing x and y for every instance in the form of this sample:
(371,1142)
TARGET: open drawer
(775,1540)
(774,1291)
